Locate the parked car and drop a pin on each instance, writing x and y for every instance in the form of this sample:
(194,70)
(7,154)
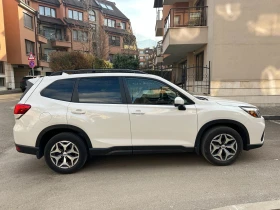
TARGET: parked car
(68,118)
(23,84)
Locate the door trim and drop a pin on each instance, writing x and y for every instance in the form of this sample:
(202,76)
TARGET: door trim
(129,150)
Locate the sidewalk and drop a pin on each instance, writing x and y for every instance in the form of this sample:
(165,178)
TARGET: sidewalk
(270,112)
(269,205)
(4,92)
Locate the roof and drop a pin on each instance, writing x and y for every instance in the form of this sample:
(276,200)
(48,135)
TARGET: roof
(80,4)
(158,3)
(51,20)
(115,12)
(73,22)
(115,30)
(53,2)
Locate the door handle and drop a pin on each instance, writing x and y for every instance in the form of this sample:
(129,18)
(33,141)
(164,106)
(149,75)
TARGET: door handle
(138,113)
(78,111)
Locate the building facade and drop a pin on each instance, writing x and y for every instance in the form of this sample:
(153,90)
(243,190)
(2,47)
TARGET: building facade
(45,26)
(146,58)
(226,49)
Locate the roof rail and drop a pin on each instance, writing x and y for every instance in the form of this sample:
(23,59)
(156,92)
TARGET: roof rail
(89,71)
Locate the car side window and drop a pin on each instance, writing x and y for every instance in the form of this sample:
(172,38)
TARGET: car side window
(60,90)
(102,90)
(150,92)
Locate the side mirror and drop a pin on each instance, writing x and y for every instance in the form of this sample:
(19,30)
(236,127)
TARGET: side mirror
(179,101)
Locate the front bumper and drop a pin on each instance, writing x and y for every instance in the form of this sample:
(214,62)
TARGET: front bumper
(255,146)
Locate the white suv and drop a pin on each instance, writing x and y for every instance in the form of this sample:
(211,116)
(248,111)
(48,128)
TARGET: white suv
(69,118)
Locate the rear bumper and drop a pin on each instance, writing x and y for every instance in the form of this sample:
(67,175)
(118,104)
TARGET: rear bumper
(27,149)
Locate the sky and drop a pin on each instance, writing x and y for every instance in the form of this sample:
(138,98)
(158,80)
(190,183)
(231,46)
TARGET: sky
(142,15)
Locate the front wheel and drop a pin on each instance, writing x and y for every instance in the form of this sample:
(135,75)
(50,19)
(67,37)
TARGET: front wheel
(221,145)
(65,153)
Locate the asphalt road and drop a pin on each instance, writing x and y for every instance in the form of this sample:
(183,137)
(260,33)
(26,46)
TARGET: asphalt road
(167,181)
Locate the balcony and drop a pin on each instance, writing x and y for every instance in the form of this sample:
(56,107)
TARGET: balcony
(185,30)
(159,56)
(62,43)
(42,39)
(44,60)
(159,23)
(171,2)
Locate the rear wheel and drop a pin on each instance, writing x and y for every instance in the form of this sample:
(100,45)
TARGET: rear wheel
(221,145)
(65,153)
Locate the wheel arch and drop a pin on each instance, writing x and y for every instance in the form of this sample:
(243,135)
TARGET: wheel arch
(239,127)
(46,134)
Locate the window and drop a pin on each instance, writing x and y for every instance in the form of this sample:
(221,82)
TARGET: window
(199,66)
(177,20)
(141,52)
(60,90)
(52,33)
(28,21)
(104,6)
(109,23)
(2,68)
(81,36)
(91,16)
(2,82)
(29,46)
(75,15)
(123,25)
(114,40)
(105,90)
(147,91)
(46,11)
(75,35)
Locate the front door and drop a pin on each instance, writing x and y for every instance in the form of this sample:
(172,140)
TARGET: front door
(100,110)
(155,121)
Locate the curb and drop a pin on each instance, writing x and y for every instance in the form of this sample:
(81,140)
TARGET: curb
(6,92)
(271,117)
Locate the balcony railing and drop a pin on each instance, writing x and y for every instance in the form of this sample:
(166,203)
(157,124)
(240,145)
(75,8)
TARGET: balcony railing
(159,14)
(44,57)
(159,49)
(186,17)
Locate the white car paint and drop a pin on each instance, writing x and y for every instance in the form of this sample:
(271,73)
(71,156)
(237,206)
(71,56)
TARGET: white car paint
(129,125)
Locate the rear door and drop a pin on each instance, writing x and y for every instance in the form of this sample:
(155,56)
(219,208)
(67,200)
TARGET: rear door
(100,109)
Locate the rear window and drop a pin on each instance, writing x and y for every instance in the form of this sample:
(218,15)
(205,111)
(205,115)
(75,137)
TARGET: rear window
(105,90)
(60,90)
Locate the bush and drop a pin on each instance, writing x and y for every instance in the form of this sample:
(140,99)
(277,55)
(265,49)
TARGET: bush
(75,60)
(121,61)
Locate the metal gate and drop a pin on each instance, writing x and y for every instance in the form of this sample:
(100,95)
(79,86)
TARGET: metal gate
(195,79)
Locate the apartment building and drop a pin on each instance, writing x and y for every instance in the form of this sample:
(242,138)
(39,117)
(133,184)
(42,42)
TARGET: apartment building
(146,58)
(228,49)
(46,26)
(4,76)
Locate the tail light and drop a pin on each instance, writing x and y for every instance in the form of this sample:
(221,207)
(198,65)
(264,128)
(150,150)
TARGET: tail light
(21,108)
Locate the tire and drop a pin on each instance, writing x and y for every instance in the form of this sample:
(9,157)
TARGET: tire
(221,145)
(61,148)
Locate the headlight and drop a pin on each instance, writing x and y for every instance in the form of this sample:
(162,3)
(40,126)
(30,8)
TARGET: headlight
(254,112)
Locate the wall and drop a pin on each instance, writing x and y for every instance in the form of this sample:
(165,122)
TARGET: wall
(243,46)
(3,52)
(12,32)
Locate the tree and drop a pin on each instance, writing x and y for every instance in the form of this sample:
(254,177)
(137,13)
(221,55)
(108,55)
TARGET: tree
(122,61)
(76,60)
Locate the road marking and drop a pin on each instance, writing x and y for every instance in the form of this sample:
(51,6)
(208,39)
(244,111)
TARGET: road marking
(274,121)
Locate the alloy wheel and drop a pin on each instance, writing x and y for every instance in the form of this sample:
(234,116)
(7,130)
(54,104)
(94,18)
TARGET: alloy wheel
(64,154)
(223,147)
